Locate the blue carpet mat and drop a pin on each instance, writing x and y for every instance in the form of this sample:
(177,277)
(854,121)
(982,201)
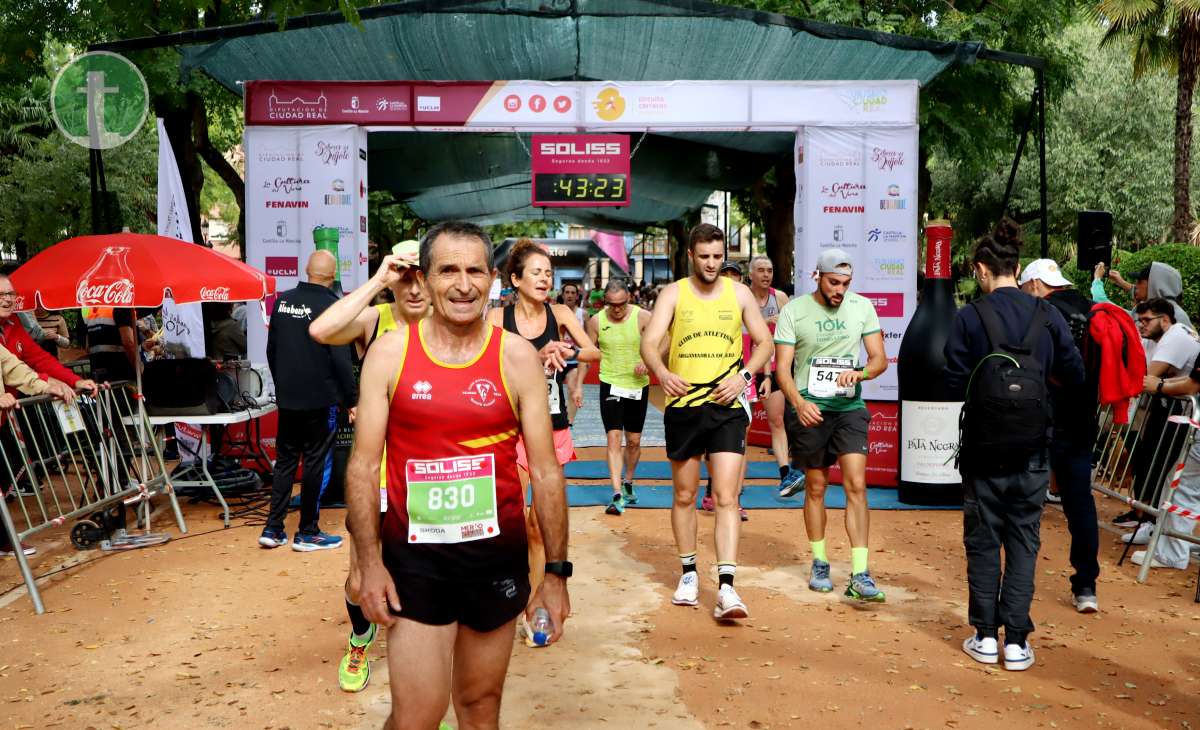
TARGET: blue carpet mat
(752,498)
(660,470)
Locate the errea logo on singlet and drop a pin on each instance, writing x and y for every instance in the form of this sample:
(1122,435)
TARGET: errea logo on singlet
(421,390)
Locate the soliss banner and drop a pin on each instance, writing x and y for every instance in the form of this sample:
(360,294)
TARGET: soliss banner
(298,180)
(856,189)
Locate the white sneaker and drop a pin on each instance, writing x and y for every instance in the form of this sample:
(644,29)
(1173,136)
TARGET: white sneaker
(983,650)
(1139,557)
(1052,498)
(729,605)
(1018,658)
(1086,602)
(1141,536)
(688,591)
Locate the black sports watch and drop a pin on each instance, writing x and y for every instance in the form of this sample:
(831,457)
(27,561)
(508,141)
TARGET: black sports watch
(747,375)
(561,568)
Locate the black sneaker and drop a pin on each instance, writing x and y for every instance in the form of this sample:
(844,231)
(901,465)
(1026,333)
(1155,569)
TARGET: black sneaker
(1128,519)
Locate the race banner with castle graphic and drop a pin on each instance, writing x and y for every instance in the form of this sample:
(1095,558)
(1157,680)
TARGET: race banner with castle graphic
(304,186)
(856,189)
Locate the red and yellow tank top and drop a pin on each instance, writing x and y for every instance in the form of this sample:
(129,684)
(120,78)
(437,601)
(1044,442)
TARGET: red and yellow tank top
(455,504)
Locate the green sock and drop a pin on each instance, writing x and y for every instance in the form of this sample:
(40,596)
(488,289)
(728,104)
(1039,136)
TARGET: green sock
(858,559)
(818,550)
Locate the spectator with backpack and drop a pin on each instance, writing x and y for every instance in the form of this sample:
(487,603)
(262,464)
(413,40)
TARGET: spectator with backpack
(1003,352)
(1076,429)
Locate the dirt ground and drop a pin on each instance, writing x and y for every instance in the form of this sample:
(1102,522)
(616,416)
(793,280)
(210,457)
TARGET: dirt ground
(211,631)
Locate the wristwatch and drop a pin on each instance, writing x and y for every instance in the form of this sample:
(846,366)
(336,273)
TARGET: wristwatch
(746,375)
(1161,382)
(561,568)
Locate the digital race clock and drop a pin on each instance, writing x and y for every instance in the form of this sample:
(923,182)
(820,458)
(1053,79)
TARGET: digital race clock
(594,189)
(580,170)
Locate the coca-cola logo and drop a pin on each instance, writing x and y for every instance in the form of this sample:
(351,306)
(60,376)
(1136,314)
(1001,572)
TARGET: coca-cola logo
(214,294)
(886,159)
(285,184)
(117,293)
(843,190)
(332,154)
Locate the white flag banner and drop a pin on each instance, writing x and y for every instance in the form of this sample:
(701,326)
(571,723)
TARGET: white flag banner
(183,324)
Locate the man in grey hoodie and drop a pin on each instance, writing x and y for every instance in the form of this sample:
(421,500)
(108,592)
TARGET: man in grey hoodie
(1158,280)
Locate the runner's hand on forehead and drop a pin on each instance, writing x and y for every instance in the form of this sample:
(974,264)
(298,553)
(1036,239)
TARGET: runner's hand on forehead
(391,267)
(729,389)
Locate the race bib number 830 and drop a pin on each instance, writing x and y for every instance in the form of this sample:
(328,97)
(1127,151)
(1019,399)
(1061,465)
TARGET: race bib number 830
(452,500)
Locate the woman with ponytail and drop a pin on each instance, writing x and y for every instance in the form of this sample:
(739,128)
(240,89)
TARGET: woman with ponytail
(1005,352)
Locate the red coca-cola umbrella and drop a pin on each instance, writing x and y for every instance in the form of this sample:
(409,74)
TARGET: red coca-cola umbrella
(134,270)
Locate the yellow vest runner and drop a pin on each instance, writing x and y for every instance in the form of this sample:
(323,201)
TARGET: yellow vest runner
(386,323)
(706,342)
(620,350)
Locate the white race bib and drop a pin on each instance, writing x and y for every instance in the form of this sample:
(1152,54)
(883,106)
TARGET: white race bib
(626,393)
(823,374)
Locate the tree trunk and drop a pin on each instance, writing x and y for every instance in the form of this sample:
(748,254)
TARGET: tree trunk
(779,225)
(223,168)
(1189,63)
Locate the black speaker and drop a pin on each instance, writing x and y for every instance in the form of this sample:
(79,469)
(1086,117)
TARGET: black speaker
(1094,238)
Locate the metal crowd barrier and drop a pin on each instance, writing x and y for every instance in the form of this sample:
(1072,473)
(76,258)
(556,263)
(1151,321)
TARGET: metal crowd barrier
(83,462)
(1140,462)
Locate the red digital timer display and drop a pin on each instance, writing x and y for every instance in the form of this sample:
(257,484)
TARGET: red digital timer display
(580,170)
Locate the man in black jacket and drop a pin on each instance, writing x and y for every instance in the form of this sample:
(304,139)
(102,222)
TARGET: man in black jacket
(1075,427)
(311,380)
(1004,489)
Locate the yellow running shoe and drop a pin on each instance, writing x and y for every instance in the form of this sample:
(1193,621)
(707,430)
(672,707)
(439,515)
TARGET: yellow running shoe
(355,670)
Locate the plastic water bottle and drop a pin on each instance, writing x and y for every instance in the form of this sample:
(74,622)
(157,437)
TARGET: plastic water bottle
(542,626)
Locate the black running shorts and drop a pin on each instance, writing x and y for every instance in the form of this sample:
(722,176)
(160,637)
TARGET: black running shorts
(818,447)
(480,605)
(623,414)
(705,429)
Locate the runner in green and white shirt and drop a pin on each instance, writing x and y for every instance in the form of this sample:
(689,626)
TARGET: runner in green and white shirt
(817,343)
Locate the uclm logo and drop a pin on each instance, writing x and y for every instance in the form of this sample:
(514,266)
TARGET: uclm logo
(574,149)
(214,294)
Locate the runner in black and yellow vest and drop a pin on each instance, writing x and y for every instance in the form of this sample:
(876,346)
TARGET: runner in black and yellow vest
(353,319)
(705,382)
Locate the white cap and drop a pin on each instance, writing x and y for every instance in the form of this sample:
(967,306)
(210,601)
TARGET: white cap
(835,261)
(1045,270)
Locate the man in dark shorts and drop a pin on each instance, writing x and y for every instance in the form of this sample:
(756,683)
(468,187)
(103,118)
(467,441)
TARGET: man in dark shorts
(446,571)
(705,382)
(817,342)
(624,387)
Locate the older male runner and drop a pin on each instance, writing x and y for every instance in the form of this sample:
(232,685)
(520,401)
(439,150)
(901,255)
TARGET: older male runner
(352,319)
(624,387)
(707,414)
(447,570)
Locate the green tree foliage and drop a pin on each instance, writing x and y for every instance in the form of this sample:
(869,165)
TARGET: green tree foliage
(1165,34)
(1109,147)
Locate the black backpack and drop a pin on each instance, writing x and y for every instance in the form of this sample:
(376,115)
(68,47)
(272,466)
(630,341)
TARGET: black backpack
(1006,417)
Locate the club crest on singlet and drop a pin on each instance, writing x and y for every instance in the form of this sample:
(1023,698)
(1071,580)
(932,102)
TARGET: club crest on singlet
(482,392)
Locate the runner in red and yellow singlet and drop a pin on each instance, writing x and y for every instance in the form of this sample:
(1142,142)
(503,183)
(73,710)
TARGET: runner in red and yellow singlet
(446,571)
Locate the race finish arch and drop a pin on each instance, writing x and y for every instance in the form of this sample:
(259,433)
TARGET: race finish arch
(855,154)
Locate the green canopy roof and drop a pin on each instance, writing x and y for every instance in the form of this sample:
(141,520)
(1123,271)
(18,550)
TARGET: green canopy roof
(485,177)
